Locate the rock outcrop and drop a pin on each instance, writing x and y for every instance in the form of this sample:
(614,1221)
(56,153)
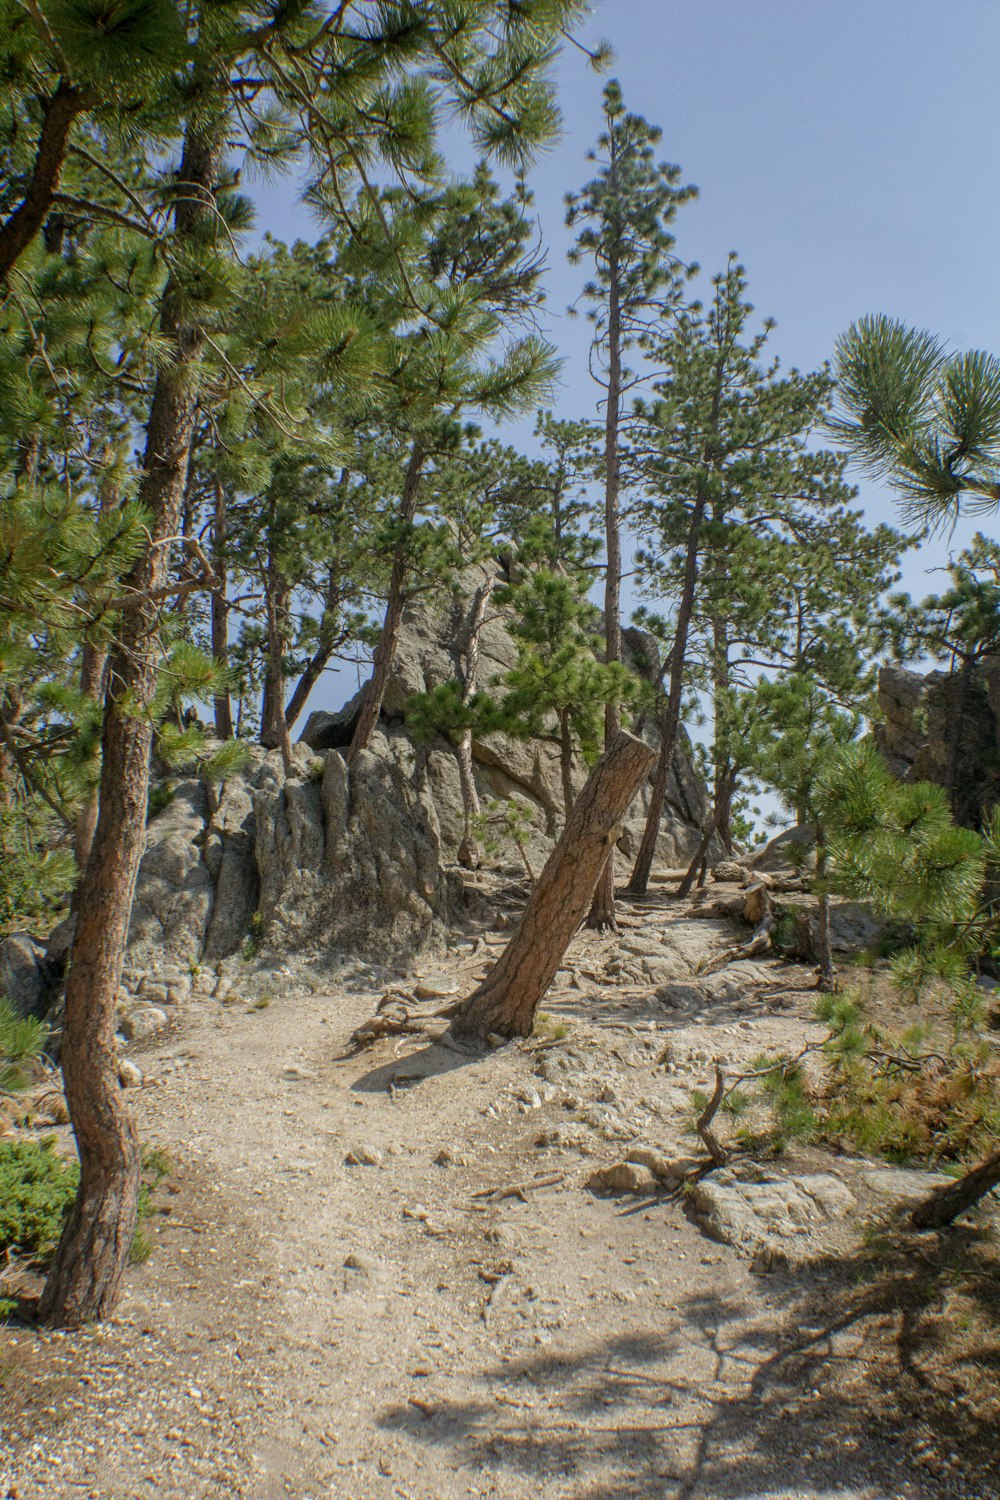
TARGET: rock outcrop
(429,654)
(326,860)
(26,977)
(945,727)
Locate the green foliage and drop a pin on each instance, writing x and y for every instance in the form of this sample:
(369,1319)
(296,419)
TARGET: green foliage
(37,1189)
(926,421)
(22,1039)
(505,821)
(36,874)
(787,1091)
(895,844)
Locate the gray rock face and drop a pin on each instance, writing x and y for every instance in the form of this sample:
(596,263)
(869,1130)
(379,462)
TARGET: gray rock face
(175,892)
(428,655)
(904,1187)
(230,860)
(359,861)
(354,861)
(944,727)
(764,1215)
(25,978)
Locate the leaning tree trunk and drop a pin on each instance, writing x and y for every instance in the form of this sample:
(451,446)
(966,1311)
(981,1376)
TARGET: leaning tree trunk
(469,853)
(946,1203)
(670,725)
(385,651)
(506,1002)
(86,1273)
(602,912)
(93,669)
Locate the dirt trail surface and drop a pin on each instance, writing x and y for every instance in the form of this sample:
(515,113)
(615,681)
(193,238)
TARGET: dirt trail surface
(355,1291)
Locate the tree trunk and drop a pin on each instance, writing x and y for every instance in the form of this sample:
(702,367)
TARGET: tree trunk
(506,1001)
(670,723)
(10,713)
(93,685)
(602,911)
(724,795)
(469,853)
(566,763)
(385,651)
(332,603)
(27,219)
(720,755)
(827,979)
(221,706)
(946,1203)
(86,1273)
(274,726)
(93,665)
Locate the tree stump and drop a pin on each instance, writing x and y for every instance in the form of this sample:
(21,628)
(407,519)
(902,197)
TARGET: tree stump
(506,1001)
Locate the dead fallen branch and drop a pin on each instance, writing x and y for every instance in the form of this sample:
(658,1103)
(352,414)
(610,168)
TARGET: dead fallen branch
(518,1189)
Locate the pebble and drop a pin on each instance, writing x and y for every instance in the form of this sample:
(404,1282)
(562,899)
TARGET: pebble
(363,1156)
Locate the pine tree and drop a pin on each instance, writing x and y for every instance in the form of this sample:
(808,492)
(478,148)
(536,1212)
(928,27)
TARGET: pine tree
(623,216)
(747,525)
(365,91)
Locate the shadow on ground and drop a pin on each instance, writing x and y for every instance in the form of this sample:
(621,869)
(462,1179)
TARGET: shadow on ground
(856,1387)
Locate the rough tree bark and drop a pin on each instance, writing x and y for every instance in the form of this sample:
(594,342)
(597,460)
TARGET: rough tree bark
(385,651)
(221,706)
(93,670)
(670,724)
(274,726)
(93,663)
(602,911)
(86,1273)
(945,1205)
(506,1002)
(20,229)
(469,853)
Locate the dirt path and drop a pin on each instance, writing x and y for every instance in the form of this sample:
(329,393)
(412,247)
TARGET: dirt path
(311,1328)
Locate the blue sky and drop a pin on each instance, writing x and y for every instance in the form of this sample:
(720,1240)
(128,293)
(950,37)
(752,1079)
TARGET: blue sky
(848,150)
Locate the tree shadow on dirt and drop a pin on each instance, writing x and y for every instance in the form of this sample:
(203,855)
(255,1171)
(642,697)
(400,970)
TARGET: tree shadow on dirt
(855,1383)
(413,1068)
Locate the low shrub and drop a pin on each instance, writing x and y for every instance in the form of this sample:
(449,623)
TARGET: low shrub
(37,1188)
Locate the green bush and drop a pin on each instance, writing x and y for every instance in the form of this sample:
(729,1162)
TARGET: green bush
(37,1189)
(21,1040)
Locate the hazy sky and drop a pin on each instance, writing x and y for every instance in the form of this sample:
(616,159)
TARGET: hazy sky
(846,149)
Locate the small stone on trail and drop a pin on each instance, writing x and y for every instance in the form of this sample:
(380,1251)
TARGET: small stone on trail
(622,1177)
(142,1021)
(363,1156)
(357,1260)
